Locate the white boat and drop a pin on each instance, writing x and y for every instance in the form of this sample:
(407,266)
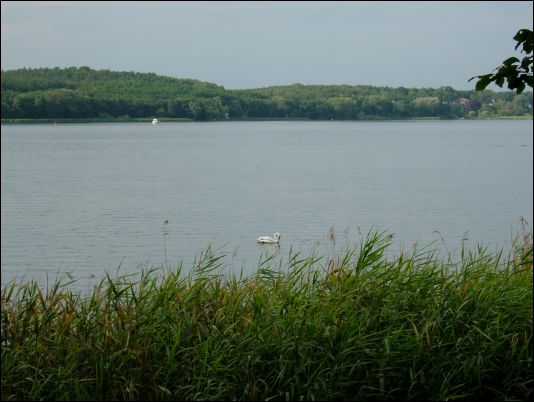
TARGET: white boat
(155,121)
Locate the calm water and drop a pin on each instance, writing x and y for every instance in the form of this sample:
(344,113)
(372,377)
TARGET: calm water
(80,199)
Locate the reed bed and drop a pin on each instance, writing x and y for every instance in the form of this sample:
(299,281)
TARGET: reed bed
(358,327)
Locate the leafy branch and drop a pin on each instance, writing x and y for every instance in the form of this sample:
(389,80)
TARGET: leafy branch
(516,72)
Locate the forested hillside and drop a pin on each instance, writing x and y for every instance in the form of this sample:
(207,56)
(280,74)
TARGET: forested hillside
(81,92)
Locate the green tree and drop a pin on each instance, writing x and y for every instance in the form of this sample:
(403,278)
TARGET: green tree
(86,93)
(517,73)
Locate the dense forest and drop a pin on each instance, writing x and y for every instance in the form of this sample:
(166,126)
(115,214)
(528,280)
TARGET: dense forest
(84,93)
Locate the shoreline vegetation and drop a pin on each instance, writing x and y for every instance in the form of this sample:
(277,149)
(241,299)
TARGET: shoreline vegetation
(85,93)
(363,326)
(185,120)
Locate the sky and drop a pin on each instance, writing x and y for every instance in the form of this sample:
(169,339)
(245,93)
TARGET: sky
(253,44)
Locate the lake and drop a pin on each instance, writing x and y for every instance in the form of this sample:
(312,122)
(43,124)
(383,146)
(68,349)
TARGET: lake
(78,200)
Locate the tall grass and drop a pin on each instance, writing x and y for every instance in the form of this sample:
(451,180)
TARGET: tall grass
(358,327)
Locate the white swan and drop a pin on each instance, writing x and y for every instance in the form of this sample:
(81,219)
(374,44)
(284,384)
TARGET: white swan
(267,239)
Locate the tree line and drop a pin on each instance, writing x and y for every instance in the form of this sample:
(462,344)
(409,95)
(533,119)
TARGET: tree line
(82,92)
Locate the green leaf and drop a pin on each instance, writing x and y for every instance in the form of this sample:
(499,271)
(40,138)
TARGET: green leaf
(510,61)
(513,82)
(526,62)
(483,82)
(527,38)
(524,36)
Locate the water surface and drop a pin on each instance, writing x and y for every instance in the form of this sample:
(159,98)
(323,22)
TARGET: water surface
(82,199)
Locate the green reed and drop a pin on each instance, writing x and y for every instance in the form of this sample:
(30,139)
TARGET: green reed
(357,327)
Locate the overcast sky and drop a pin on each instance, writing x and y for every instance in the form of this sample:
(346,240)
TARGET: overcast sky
(264,43)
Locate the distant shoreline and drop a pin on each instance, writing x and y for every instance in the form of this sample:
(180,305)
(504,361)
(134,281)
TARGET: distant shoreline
(184,120)
(81,94)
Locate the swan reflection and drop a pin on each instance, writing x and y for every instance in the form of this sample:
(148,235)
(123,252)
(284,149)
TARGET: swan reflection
(269,249)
